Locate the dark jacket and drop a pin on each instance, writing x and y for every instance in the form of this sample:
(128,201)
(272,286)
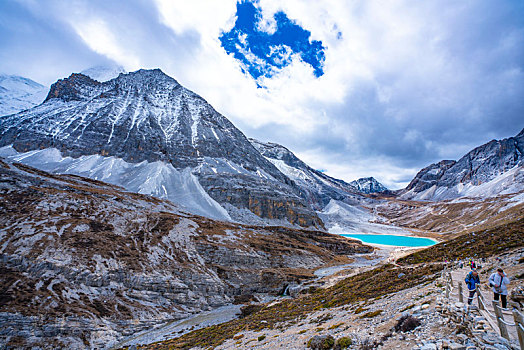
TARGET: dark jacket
(472,281)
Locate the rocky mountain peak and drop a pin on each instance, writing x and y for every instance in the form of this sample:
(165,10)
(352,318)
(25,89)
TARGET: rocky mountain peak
(73,88)
(276,151)
(146,78)
(448,179)
(368,185)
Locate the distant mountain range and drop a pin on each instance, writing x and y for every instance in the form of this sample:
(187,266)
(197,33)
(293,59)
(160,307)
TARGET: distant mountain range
(147,133)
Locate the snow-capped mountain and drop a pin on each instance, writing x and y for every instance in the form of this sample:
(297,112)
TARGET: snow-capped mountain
(368,185)
(19,93)
(148,119)
(494,168)
(104,72)
(318,188)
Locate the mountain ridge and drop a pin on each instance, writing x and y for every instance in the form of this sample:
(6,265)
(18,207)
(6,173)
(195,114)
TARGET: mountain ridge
(318,187)
(449,179)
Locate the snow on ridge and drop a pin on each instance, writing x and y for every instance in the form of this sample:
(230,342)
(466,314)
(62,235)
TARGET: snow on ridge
(509,182)
(158,179)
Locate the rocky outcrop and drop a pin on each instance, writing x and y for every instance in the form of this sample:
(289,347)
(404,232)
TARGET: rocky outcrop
(75,88)
(84,263)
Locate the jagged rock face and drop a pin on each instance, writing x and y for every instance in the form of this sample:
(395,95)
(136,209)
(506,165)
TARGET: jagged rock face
(261,198)
(148,116)
(369,185)
(318,188)
(474,174)
(114,262)
(428,176)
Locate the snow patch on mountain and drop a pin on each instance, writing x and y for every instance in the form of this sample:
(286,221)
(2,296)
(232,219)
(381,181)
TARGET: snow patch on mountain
(159,179)
(19,93)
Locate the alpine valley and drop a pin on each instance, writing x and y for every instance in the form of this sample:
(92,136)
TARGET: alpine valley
(128,203)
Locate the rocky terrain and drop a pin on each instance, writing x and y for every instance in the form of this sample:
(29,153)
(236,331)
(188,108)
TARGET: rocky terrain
(390,306)
(85,263)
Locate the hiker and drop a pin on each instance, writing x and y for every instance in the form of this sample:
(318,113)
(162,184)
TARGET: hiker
(472,280)
(473,265)
(499,281)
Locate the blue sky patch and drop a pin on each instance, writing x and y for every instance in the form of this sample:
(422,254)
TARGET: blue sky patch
(262,52)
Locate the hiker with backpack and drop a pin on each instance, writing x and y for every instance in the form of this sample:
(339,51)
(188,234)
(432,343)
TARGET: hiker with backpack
(499,281)
(472,281)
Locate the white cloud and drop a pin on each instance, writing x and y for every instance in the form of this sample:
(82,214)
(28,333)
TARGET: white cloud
(98,35)
(404,84)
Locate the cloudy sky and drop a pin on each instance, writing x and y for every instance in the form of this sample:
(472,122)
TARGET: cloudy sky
(354,88)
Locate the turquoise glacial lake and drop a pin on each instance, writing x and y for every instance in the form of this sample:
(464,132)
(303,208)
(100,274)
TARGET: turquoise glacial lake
(393,240)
